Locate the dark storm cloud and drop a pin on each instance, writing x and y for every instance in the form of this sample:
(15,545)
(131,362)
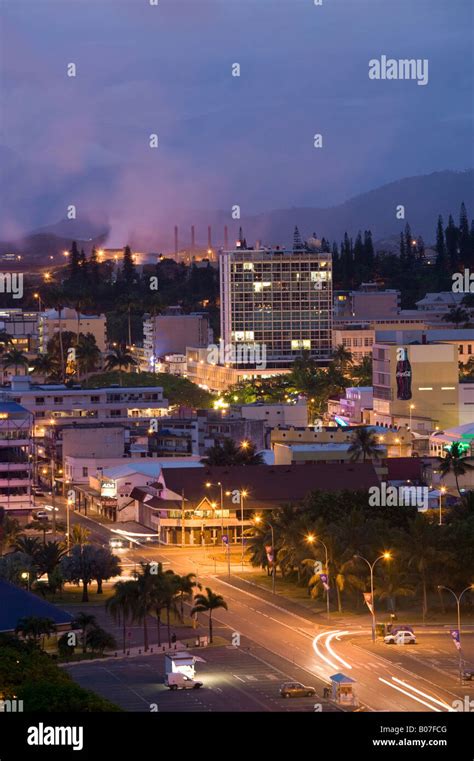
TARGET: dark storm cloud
(223,140)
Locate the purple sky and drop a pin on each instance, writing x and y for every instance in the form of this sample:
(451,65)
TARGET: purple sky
(223,140)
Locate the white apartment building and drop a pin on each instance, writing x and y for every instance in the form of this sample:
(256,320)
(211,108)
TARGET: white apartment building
(15,458)
(277,298)
(358,339)
(51,403)
(48,325)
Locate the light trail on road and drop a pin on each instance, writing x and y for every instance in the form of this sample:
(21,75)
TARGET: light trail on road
(334,655)
(410,695)
(434,700)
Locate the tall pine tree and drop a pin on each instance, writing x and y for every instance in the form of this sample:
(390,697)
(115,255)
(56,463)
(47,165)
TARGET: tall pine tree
(129,275)
(464,237)
(451,237)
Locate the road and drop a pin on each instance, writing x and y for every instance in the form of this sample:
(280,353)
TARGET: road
(395,678)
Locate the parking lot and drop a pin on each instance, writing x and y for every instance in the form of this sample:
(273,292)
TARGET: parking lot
(233,680)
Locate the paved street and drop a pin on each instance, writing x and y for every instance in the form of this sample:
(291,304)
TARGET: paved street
(234,680)
(422,678)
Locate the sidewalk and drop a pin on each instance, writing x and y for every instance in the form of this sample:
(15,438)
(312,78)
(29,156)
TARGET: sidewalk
(133,652)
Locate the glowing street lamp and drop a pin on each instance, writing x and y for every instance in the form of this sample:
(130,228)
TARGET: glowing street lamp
(37,296)
(442,490)
(258,519)
(311,539)
(458,598)
(208,486)
(412,407)
(383,556)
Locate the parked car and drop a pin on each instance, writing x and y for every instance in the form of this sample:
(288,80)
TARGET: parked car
(181,682)
(403,637)
(296,690)
(115,543)
(41,515)
(38,493)
(468,675)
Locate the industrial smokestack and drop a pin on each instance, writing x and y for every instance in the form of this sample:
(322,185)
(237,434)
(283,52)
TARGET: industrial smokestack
(226,238)
(209,237)
(176,239)
(193,237)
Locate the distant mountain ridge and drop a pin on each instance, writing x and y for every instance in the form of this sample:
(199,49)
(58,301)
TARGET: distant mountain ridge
(423,197)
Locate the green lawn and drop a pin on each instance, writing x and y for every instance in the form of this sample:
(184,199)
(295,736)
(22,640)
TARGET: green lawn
(72,595)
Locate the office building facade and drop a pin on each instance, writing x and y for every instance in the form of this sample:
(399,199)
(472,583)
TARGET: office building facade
(276,298)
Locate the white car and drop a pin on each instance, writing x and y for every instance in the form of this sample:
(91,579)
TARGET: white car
(181,682)
(400,638)
(41,515)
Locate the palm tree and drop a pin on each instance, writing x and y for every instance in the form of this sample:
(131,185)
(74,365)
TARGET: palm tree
(144,602)
(364,444)
(46,366)
(86,622)
(55,297)
(258,539)
(9,530)
(391,583)
(128,303)
(456,315)
(119,358)
(79,535)
(454,462)
(49,556)
(185,586)
(15,358)
(87,354)
(342,358)
(168,587)
(229,453)
(35,628)
(420,548)
(30,546)
(361,374)
(208,602)
(121,604)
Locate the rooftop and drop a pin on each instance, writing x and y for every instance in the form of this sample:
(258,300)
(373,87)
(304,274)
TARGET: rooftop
(17,603)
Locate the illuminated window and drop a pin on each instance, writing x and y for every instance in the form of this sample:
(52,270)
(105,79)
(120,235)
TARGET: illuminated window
(301,343)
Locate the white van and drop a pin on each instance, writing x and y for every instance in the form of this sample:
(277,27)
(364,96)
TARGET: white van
(181,682)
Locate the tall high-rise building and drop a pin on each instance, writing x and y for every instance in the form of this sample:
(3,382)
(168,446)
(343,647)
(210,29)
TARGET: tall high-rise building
(15,457)
(278,298)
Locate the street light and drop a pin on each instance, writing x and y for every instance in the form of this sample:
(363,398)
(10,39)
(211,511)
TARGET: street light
(26,576)
(311,539)
(412,407)
(442,490)
(384,556)
(458,598)
(37,296)
(208,485)
(258,519)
